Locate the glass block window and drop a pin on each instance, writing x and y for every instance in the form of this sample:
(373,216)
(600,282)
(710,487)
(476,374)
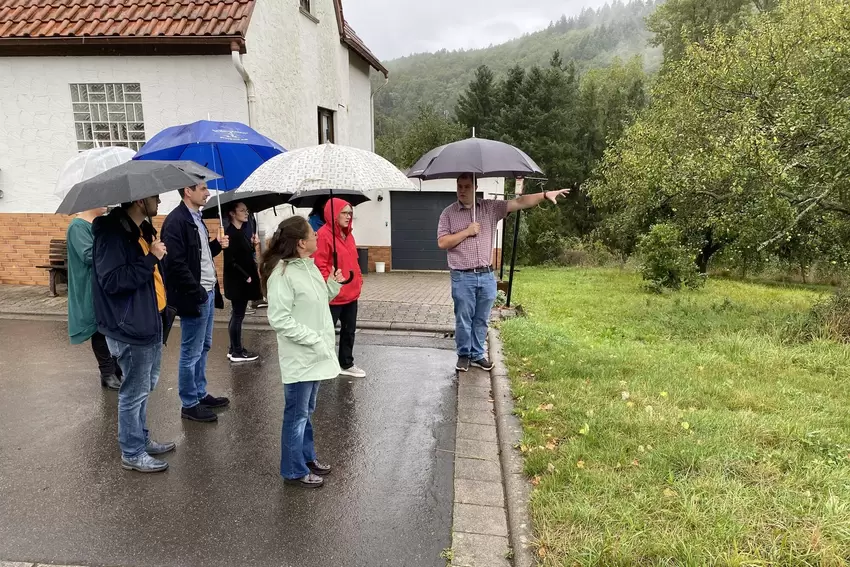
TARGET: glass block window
(108,114)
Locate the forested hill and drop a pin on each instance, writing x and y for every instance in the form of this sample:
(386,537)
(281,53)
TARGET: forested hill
(591,39)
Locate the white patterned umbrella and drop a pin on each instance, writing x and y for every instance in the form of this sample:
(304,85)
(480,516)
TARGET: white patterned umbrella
(88,164)
(326,170)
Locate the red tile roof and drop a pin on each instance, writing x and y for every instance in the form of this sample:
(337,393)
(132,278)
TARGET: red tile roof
(200,20)
(124,18)
(354,42)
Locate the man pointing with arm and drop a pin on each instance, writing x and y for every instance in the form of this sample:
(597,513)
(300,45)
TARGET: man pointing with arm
(469,246)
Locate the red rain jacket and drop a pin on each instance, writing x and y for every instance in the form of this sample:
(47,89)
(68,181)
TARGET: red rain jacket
(346,251)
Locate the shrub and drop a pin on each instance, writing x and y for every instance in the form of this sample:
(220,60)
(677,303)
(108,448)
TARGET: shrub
(665,263)
(828,319)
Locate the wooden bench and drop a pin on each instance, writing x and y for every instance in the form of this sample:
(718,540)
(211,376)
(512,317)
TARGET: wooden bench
(57,264)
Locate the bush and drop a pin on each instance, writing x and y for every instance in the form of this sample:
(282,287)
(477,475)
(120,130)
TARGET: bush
(828,319)
(665,263)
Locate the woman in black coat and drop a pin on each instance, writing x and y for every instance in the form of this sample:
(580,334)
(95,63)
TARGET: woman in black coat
(241,279)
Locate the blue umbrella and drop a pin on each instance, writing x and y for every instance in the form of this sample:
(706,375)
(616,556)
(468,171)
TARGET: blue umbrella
(231,149)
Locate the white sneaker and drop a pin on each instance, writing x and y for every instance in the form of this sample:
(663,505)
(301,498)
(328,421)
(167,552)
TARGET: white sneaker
(354,372)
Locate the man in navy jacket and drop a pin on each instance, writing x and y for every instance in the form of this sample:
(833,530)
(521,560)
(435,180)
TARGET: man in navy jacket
(129,296)
(194,292)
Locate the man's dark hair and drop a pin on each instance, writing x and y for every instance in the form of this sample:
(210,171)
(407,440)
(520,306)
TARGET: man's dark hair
(182,192)
(469,176)
(126,206)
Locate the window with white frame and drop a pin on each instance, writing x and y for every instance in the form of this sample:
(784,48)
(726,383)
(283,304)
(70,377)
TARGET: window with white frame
(108,114)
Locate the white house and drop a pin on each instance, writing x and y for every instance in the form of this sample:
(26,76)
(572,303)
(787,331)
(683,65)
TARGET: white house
(79,73)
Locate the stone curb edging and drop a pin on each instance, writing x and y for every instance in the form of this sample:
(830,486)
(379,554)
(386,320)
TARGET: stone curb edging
(509,433)
(370,325)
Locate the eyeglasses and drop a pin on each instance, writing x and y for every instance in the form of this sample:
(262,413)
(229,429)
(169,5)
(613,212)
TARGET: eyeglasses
(241,211)
(347,214)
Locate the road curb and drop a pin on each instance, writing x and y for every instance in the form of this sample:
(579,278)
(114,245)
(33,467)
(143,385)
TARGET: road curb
(509,433)
(255,324)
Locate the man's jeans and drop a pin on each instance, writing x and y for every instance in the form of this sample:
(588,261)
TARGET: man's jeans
(473,295)
(296,437)
(140,365)
(196,340)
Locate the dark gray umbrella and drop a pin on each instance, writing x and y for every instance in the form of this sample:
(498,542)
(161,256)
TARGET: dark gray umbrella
(308,198)
(257,201)
(479,156)
(132,181)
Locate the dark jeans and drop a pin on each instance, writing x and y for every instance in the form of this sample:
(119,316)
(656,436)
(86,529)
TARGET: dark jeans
(107,363)
(347,317)
(237,315)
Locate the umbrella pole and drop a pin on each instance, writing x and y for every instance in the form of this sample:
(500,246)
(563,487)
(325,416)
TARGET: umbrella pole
(217,190)
(513,258)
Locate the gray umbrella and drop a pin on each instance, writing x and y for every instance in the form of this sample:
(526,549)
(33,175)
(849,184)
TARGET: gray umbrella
(479,156)
(131,181)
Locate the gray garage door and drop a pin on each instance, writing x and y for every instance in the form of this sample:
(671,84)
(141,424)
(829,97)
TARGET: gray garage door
(414,221)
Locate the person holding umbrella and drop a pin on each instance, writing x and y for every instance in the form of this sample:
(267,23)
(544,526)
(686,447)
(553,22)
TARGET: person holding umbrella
(336,249)
(82,325)
(129,298)
(241,279)
(194,292)
(466,231)
(298,297)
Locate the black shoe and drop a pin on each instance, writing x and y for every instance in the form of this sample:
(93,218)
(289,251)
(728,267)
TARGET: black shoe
(111,382)
(318,468)
(483,363)
(199,412)
(213,402)
(244,356)
(262,304)
(462,364)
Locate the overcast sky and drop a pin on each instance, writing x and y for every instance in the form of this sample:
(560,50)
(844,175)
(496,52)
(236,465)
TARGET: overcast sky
(393,28)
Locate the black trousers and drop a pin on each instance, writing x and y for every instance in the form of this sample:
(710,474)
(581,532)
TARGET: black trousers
(105,361)
(347,317)
(234,328)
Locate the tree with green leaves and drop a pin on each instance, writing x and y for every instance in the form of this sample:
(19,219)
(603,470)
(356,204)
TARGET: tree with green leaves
(745,147)
(476,107)
(680,23)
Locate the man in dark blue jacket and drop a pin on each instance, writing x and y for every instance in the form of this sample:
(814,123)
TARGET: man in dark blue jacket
(194,292)
(129,296)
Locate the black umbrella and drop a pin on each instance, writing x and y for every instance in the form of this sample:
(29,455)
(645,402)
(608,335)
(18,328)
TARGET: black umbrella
(132,181)
(479,156)
(309,198)
(256,202)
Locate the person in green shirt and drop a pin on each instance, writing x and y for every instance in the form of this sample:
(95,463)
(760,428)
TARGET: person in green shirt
(82,325)
(298,312)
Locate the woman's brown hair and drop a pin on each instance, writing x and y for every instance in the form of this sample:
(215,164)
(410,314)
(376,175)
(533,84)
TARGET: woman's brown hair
(283,246)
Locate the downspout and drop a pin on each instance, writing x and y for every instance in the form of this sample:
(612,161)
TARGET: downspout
(372,107)
(249,84)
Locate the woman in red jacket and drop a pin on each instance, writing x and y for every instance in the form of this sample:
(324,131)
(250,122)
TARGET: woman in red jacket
(344,305)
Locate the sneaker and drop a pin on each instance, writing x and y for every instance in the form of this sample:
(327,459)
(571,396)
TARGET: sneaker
(154,448)
(244,356)
(213,402)
(143,464)
(111,382)
(483,363)
(199,412)
(462,364)
(249,311)
(353,372)
(306,481)
(318,468)
(260,304)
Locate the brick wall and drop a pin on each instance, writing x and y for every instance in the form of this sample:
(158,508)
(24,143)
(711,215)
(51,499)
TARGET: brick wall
(25,243)
(380,254)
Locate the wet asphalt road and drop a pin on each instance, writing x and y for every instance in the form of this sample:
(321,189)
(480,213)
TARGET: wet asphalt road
(64,498)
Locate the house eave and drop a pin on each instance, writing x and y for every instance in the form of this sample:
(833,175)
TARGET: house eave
(120,45)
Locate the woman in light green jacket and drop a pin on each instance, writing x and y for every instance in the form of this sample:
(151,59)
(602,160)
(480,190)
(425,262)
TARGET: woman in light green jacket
(298,312)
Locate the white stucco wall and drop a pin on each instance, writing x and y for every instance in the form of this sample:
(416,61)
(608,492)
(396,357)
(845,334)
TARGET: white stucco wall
(36,120)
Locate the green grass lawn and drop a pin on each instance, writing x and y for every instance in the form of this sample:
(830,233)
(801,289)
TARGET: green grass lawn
(679,429)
